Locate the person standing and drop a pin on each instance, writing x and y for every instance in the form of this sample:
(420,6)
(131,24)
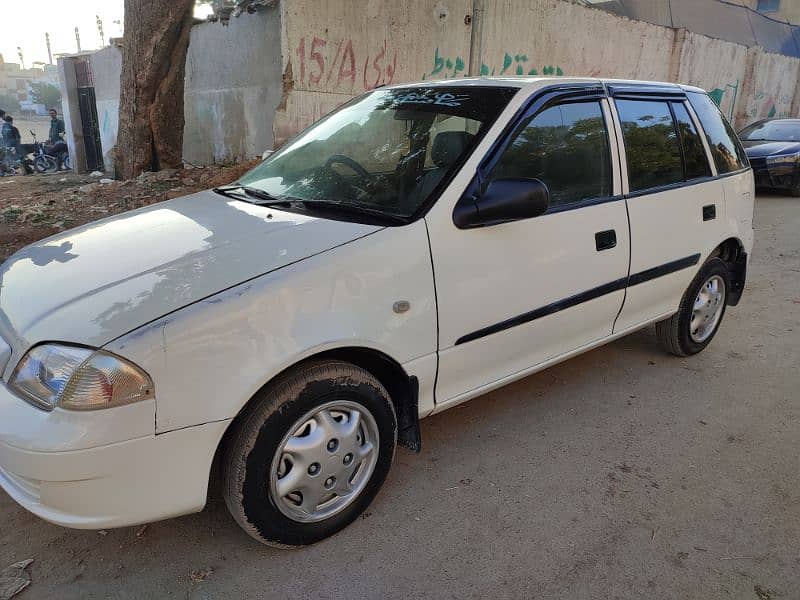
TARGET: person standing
(57,145)
(12,139)
(56,128)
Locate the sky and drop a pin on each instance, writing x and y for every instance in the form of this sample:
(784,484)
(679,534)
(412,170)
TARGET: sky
(25,23)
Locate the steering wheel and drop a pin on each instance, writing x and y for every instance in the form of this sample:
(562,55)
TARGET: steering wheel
(348,162)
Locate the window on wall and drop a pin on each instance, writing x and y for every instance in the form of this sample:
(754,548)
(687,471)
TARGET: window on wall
(651,144)
(695,159)
(566,147)
(767,6)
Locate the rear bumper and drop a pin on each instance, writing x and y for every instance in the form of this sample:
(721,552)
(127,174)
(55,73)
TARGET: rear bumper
(136,481)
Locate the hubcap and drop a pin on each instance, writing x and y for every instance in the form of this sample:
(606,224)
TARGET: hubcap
(707,309)
(324,462)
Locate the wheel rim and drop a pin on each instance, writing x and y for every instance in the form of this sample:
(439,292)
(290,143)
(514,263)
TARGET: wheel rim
(707,309)
(324,462)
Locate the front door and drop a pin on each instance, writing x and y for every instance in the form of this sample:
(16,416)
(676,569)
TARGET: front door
(516,295)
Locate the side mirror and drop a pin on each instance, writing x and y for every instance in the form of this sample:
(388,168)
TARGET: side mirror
(504,200)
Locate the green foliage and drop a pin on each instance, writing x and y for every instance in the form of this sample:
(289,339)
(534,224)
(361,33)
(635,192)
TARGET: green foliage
(9,103)
(45,93)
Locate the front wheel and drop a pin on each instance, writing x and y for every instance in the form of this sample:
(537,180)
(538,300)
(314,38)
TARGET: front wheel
(44,163)
(310,453)
(700,314)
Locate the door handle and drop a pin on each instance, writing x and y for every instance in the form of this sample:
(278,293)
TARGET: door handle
(709,212)
(605,240)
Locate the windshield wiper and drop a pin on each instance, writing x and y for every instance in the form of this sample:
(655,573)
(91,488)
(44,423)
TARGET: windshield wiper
(352,209)
(266,198)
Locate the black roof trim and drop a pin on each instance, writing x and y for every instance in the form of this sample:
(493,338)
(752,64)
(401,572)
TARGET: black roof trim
(617,90)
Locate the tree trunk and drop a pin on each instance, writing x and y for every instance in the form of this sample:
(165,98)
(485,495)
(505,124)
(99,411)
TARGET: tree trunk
(151,101)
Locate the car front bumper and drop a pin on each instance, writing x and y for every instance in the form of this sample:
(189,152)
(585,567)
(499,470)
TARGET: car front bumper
(780,176)
(135,481)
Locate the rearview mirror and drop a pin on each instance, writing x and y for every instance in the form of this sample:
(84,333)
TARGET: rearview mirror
(504,200)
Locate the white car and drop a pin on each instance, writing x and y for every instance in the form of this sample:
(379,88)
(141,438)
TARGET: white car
(418,247)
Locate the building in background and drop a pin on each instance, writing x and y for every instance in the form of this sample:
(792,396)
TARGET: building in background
(781,10)
(16,82)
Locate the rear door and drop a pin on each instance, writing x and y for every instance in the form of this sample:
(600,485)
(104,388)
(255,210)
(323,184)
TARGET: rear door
(675,204)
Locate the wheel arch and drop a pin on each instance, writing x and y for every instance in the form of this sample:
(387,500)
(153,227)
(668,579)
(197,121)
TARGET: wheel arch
(403,391)
(733,253)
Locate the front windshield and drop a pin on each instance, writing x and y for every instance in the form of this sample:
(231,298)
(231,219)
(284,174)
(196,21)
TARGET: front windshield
(773,131)
(385,151)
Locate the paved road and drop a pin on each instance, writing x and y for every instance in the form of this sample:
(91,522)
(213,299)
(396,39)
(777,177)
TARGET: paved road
(623,473)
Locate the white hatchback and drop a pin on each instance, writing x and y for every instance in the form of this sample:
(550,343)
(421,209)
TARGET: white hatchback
(418,247)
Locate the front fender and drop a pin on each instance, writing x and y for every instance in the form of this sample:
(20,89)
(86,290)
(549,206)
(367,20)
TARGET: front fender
(208,359)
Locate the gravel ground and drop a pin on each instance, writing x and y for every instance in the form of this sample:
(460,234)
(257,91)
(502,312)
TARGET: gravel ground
(622,473)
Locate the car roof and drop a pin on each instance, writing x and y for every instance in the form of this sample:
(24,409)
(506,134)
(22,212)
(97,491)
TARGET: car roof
(537,82)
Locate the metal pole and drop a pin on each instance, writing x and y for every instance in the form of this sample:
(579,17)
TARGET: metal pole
(476,39)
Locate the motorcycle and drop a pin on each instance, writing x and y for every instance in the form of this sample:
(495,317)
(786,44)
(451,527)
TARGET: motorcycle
(48,159)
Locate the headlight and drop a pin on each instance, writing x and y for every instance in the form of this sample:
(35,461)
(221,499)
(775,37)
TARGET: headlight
(76,378)
(783,158)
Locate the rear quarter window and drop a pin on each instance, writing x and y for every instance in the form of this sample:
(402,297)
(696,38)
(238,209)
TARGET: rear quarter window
(726,150)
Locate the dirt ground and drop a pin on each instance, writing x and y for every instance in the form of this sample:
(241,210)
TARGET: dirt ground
(35,206)
(622,473)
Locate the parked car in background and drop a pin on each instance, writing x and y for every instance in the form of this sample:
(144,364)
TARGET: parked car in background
(420,246)
(773,147)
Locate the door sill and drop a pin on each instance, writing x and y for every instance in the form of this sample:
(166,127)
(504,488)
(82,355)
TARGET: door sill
(484,389)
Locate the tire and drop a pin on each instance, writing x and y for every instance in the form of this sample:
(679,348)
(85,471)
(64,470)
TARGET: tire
(45,163)
(293,409)
(677,335)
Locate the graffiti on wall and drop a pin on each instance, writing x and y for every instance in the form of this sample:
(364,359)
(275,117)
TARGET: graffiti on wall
(349,69)
(768,105)
(725,97)
(517,64)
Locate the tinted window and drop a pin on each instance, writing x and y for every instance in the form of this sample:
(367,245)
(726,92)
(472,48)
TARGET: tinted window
(566,146)
(651,145)
(694,154)
(725,148)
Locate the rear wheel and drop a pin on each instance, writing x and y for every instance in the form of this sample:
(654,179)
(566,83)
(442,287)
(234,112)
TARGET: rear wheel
(310,454)
(700,314)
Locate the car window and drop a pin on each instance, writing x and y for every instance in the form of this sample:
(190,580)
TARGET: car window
(565,146)
(725,147)
(772,131)
(651,144)
(386,152)
(443,123)
(694,154)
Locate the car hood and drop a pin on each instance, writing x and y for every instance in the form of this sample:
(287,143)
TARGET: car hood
(99,281)
(757,149)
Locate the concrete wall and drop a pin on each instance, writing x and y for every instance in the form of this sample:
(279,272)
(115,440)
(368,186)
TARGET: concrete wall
(70,112)
(770,86)
(233,85)
(335,50)
(554,37)
(106,68)
(713,65)
(253,83)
